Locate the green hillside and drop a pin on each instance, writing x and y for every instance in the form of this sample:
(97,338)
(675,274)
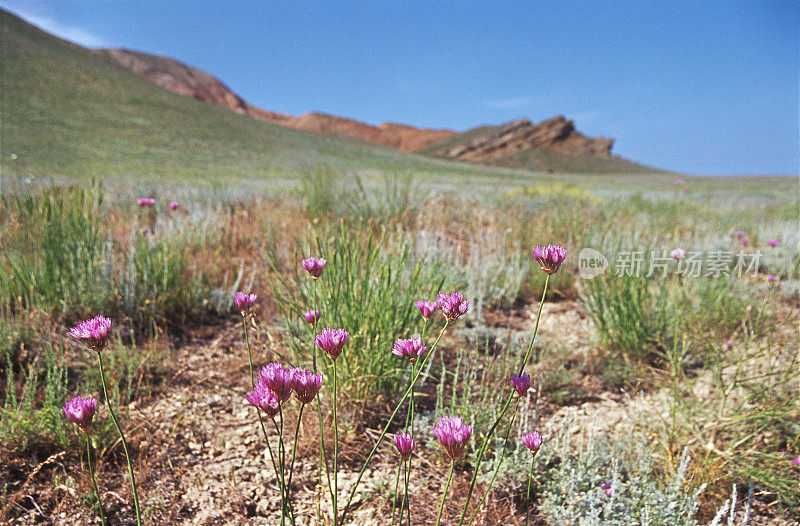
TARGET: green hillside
(544,159)
(69,114)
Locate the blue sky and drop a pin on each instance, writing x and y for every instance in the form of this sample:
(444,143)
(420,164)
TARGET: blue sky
(700,87)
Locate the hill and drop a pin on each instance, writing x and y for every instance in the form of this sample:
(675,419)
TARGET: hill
(192,82)
(553,145)
(68,113)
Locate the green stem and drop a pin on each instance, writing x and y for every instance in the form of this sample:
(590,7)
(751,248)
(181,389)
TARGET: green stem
(505,407)
(335,452)
(405,493)
(281,463)
(294,448)
(249,354)
(94,481)
(391,419)
(122,438)
(396,486)
(446,487)
(528,494)
(497,469)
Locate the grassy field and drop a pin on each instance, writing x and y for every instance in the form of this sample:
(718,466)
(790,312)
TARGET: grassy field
(670,387)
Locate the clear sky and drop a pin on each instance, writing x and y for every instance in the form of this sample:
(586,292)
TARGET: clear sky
(705,87)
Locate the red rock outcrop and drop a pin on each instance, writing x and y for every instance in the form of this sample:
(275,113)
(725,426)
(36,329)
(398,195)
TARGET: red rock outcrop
(192,82)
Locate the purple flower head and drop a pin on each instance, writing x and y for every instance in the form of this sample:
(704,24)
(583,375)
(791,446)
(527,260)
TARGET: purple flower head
(332,341)
(244,301)
(679,182)
(146,201)
(277,379)
(314,266)
(770,278)
(306,384)
(773,243)
(606,487)
(144,231)
(727,346)
(739,234)
(312,317)
(93,332)
(81,412)
(426,308)
(533,441)
(677,254)
(264,399)
(744,241)
(550,257)
(795,462)
(453,434)
(411,348)
(404,444)
(521,383)
(453,305)
(173,205)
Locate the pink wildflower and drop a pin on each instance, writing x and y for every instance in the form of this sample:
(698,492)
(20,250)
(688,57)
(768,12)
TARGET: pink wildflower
(173,205)
(277,379)
(410,348)
(93,332)
(332,341)
(314,266)
(312,317)
(264,399)
(550,257)
(306,384)
(607,489)
(533,441)
(244,302)
(81,412)
(146,201)
(404,444)
(453,305)
(677,254)
(453,434)
(426,308)
(521,383)
(773,243)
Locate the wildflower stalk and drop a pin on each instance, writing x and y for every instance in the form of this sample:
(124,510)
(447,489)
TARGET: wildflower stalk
(496,469)
(396,487)
(391,419)
(282,463)
(335,452)
(528,493)
(258,412)
(444,495)
(405,496)
(122,438)
(94,481)
(409,425)
(505,407)
(294,447)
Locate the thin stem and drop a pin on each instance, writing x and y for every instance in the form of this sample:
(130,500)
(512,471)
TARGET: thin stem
(497,469)
(249,354)
(406,502)
(294,448)
(282,463)
(122,438)
(396,486)
(528,494)
(505,407)
(94,481)
(446,487)
(335,451)
(391,419)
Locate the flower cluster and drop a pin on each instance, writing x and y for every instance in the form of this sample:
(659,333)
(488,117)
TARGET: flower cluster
(312,317)
(332,341)
(607,489)
(453,305)
(173,205)
(276,384)
(404,444)
(314,266)
(410,348)
(453,434)
(677,254)
(426,308)
(81,411)
(244,301)
(93,332)
(533,441)
(550,257)
(146,201)
(521,383)
(773,243)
